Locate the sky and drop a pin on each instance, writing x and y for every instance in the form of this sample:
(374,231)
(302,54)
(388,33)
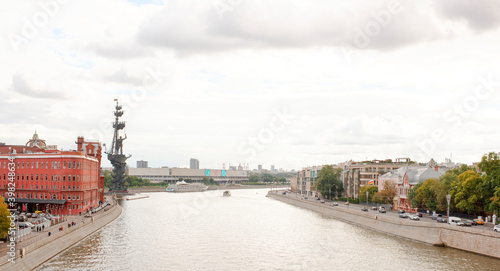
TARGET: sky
(290,83)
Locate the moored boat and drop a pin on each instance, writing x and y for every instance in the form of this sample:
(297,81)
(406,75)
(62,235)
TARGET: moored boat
(226,193)
(182,186)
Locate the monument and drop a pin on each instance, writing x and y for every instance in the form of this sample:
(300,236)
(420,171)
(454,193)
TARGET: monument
(116,156)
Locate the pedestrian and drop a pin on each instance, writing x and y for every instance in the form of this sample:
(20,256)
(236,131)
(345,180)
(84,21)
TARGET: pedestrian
(43,227)
(49,233)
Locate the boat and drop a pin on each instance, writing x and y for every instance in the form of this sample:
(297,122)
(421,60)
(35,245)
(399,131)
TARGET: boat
(141,197)
(182,186)
(226,193)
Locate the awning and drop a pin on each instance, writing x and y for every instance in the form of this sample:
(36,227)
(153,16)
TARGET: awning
(39,201)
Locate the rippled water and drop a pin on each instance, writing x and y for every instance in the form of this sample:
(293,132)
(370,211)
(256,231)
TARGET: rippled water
(247,231)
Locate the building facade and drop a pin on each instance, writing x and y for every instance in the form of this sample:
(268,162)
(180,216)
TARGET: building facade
(194,164)
(407,177)
(173,175)
(51,180)
(355,175)
(305,180)
(142,164)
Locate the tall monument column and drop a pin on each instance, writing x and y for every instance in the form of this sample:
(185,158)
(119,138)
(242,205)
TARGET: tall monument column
(115,154)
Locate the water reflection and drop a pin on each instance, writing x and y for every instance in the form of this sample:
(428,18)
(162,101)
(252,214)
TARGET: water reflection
(247,231)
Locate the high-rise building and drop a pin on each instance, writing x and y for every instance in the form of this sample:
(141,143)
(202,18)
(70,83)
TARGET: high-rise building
(259,167)
(194,164)
(142,164)
(272,168)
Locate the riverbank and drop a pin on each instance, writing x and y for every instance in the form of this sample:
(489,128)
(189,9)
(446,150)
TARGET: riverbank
(468,239)
(45,247)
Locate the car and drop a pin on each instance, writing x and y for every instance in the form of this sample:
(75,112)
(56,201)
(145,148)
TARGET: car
(346,203)
(496,228)
(284,193)
(374,208)
(318,198)
(401,211)
(364,209)
(28,215)
(474,223)
(34,215)
(441,219)
(322,201)
(414,217)
(419,214)
(335,203)
(305,197)
(467,222)
(403,215)
(479,221)
(382,210)
(460,223)
(435,216)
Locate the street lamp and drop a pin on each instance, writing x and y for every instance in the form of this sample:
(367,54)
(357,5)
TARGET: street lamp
(448,199)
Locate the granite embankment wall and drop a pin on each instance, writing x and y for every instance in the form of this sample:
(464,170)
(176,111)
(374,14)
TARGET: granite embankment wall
(43,250)
(474,240)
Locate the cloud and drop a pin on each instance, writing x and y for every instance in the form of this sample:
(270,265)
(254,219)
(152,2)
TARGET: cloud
(20,85)
(480,15)
(186,27)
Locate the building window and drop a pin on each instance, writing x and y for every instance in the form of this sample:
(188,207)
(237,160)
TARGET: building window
(36,177)
(74,197)
(74,164)
(64,164)
(64,178)
(45,196)
(36,186)
(22,164)
(63,197)
(69,164)
(64,187)
(74,178)
(32,177)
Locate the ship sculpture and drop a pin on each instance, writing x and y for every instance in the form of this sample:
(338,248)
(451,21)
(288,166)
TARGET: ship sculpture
(115,154)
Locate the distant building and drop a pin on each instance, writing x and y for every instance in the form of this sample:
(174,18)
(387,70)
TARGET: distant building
(354,175)
(172,175)
(259,167)
(272,168)
(408,176)
(305,180)
(142,164)
(194,164)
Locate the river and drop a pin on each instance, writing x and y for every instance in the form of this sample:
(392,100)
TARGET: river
(247,231)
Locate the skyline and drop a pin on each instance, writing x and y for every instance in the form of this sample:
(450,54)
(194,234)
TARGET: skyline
(214,81)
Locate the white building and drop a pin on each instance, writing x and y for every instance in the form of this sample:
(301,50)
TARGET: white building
(172,175)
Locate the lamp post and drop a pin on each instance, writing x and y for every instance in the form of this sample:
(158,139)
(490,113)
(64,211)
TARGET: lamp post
(366,198)
(448,199)
(330,193)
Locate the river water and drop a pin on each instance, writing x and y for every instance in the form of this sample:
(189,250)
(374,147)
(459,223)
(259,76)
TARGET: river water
(247,231)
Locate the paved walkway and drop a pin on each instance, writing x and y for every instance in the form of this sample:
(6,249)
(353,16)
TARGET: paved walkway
(54,229)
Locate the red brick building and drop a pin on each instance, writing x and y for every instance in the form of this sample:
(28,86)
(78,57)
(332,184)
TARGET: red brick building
(55,181)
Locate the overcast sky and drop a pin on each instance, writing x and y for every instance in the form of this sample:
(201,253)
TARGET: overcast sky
(290,83)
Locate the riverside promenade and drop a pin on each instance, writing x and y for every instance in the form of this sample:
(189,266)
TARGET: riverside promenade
(476,240)
(40,247)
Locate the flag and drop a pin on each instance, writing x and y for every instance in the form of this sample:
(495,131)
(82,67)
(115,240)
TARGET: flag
(371,182)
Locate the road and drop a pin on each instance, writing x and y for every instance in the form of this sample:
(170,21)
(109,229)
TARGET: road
(425,217)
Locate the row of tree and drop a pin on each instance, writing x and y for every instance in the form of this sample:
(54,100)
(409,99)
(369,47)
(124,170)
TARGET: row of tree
(267,178)
(471,192)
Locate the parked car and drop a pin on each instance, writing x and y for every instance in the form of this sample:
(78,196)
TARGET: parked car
(381,210)
(318,198)
(364,209)
(479,221)
(419,214)
(374,208)
(335,203)
(322,201)
(496,228)
(460,223)
(346,203)
(28,215)
(474,223)
(414,217)
(34,215)
(441,219)
(401,211)
(467,222)
(403,215)
(435,216)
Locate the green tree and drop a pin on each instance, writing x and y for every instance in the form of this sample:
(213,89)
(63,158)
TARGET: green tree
(412,196)
(4,218)
(328,180)
(426,194)
(466,192)
(372,191)
(490,181)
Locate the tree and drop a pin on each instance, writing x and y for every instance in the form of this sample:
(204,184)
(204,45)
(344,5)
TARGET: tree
(388,193)
(412,196)
(372,191)
(329,180)
(466,193)
(4,218)
(490,181)
(427,192)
